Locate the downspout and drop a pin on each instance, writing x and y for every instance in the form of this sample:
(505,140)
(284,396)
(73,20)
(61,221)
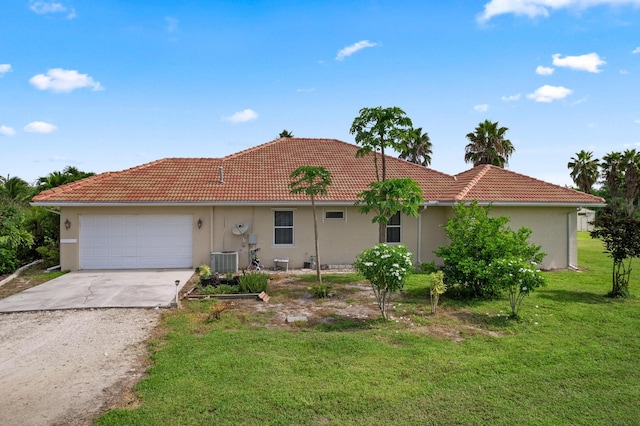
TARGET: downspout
(569,243)
(419,248)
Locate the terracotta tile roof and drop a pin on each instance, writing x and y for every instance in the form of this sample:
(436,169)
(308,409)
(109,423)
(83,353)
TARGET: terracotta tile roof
(494,184)
(261,174)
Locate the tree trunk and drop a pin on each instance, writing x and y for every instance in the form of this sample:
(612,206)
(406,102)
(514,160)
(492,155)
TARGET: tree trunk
(315,234)
(382,232)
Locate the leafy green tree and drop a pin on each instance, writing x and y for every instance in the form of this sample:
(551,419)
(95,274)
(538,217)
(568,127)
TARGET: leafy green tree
(285,134)
(311,181)
(386,268)
(14,238)
(477,242)
(621,236)
(377,129)
(418,148)
(584,170)
(386,198)
(488,145)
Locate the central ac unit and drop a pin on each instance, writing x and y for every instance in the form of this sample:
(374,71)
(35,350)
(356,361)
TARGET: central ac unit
(224,262)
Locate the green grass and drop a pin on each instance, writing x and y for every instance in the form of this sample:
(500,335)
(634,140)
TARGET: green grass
(571,360)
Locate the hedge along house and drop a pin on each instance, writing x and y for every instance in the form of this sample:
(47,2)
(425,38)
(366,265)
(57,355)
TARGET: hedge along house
(176,212)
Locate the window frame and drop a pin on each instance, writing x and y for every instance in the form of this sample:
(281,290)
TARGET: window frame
(276,227)
(394,226)
(344,215)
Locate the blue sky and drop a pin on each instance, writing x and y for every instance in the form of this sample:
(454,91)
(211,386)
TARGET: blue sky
(108,85)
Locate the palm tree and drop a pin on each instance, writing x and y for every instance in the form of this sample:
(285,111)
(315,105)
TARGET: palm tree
(56,178)
(584,170)
(418,148)
(631,166)
(15,189)
(488,145)
(285,134)
(311,181)
(612,172)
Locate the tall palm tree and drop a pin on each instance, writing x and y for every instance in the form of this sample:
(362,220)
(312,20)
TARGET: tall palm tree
(56,178)
(631,165)
(285,134)
(584,170)
(15,189)
(488,145)
(613,174)
(418,148)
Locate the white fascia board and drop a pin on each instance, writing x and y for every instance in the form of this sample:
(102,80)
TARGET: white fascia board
(516,204)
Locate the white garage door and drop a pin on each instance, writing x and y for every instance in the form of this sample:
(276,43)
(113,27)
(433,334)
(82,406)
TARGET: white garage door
(136,241)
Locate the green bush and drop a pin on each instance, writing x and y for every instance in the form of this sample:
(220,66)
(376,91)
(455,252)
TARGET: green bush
(49,252)
(477,241)
(321,291)
(8,261)
(253,282)
(225,289)
(386,268)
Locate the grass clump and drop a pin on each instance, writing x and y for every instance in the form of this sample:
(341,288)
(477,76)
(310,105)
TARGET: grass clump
(253,282)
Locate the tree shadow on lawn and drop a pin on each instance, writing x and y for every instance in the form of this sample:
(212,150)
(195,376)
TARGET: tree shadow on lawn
(568,296)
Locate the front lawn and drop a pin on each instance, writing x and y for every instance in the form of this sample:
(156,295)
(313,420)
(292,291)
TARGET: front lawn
(572,360)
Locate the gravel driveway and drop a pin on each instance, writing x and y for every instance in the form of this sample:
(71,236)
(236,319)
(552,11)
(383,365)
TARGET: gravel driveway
(67,367)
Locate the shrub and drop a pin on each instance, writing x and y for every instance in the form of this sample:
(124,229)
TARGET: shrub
(518,277)
(321,291)
(436,288)
(477,241)
(225,289)
(253,282)
(49,252)
(386,268)
(204,271)
(8,261)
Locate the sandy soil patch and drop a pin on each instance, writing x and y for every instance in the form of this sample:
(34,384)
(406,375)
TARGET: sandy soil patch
(67,367)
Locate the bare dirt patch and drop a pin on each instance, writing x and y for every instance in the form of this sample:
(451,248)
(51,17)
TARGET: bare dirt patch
(67,367)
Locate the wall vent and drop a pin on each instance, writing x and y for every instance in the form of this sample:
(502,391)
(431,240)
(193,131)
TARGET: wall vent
(224,262)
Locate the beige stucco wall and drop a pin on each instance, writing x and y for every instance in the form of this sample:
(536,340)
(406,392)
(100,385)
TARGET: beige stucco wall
(340,240)
(69,238)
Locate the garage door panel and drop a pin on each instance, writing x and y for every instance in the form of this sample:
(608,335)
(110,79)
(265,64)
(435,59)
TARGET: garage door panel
(136,241)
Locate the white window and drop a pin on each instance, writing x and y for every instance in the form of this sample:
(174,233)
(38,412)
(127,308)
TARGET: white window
(283,227)
(393,229)
(334,214)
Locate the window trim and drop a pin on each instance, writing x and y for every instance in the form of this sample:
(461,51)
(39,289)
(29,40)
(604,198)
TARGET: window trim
(344,215)
(292,227)
(399,226)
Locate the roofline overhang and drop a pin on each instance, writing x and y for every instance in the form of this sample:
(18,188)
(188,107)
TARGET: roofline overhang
(302,203)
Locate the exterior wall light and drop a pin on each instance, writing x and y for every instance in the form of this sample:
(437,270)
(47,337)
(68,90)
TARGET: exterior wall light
(67,224)
(199,223)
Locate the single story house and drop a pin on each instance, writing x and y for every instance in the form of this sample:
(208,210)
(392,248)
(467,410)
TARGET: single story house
(183,212)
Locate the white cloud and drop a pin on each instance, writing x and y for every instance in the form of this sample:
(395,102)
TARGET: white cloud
(241,116)
(350,50)
(589,62)
(59,80)
(39,127)
(172,24)
(7,131)
(44,8)
(540,70)
(535,8)
(511,98)
(548,93)
(481,108)
(311,89)
(4,68)
(636,50)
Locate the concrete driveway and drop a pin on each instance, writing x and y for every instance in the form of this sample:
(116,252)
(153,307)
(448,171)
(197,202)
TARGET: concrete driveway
(101,289)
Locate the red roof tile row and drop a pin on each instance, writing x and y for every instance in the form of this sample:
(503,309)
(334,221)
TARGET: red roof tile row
(261,174)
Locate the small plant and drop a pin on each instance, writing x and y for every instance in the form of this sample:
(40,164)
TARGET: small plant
(225,289)
(386,268)
(321,291)
(518,277)
(437,287)
(205,272)
(217,309)
(253,282)
(207,289)
(229,276)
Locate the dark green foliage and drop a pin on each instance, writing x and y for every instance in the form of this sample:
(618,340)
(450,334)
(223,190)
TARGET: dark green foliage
(49,252)
(621,236)
(8,261)
(253,282)
(477,241)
